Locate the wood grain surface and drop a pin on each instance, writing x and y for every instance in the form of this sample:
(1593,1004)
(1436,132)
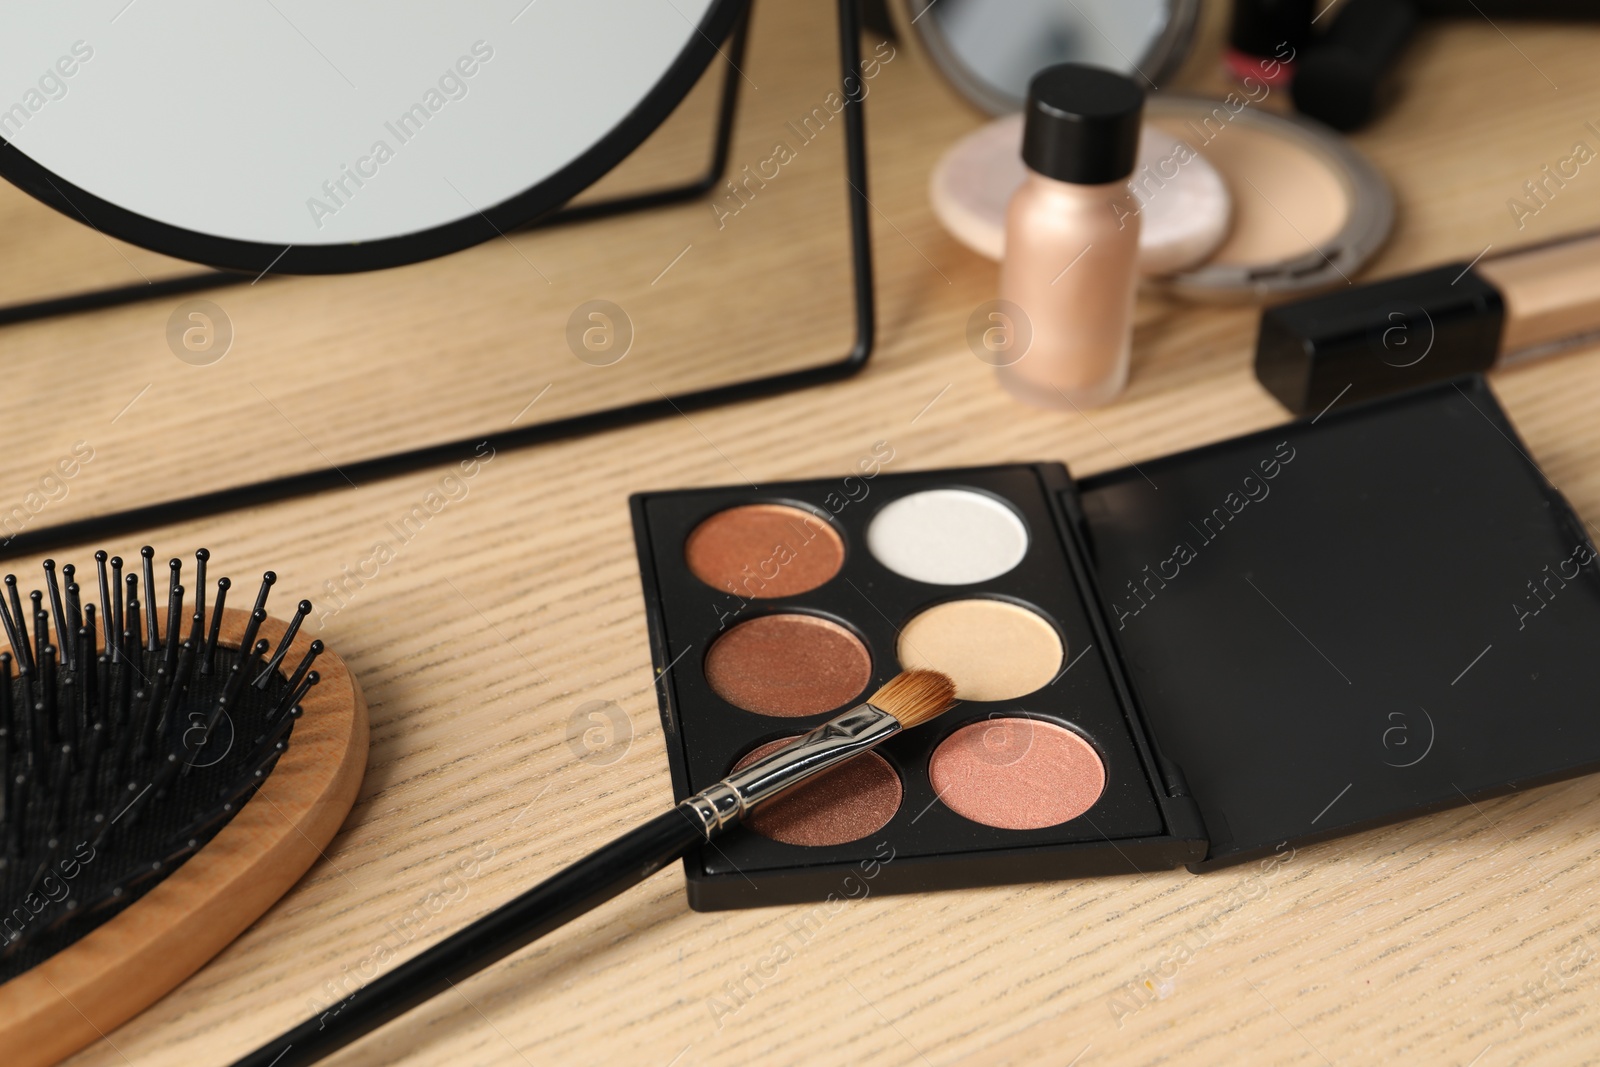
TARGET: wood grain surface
(1470,937)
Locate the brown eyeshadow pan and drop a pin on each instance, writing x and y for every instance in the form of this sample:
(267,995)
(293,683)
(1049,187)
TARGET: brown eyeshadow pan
(788,665)
(764,550)
(845,804)
(1017,773)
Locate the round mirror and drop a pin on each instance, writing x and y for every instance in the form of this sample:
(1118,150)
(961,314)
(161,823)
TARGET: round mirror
(318,138)
(990,49)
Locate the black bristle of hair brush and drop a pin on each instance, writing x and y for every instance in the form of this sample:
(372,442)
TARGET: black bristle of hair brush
(128,739)
(910,699)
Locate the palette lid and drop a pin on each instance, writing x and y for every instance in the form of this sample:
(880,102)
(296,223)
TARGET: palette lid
(1352,620)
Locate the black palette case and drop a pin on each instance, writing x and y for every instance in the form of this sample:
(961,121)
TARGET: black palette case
(1273,640)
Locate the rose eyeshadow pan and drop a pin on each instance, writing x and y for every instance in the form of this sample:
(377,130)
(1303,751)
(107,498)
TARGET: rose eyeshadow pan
(1017,773)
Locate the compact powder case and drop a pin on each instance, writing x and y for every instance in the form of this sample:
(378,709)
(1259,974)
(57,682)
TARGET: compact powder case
(1298,209)
(1266,642)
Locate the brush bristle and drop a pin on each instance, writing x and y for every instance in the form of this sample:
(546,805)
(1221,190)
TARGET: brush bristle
(914,697)
(126,743)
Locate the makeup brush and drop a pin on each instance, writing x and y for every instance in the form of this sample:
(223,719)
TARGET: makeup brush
(908,700)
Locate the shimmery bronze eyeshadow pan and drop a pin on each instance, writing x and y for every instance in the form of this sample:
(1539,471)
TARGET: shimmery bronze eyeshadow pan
(788,665)
(1017,773)
(848,803)
(763,551)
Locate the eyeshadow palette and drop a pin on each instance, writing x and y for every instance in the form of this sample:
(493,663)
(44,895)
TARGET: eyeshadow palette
(1263,642)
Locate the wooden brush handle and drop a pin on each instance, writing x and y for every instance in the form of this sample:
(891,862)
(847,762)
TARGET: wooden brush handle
(590,882)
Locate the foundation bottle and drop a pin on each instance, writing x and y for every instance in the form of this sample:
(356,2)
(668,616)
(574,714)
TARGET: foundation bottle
(1072,239)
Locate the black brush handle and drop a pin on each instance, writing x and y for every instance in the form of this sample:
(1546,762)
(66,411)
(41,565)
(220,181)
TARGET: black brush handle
(587,884)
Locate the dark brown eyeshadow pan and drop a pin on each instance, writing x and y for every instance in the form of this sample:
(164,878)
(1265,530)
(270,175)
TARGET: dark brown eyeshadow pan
(845,804)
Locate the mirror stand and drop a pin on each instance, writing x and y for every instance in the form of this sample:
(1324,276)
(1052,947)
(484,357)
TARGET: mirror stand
(202,281)
(119,523)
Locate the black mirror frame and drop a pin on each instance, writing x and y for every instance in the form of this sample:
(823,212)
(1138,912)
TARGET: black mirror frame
(120,523)
(534,202)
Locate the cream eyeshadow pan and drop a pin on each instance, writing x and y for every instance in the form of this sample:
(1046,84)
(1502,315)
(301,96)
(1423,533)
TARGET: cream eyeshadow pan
(991,649)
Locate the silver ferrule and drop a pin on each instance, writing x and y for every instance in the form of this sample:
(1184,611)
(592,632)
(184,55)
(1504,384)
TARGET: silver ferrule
(829,745)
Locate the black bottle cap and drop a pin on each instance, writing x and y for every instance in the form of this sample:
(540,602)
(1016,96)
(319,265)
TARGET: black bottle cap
(1381,338)
(1277,28)
(1345,78)
(1082,124)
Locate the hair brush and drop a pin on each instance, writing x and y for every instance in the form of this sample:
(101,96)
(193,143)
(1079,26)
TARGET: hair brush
(136,755)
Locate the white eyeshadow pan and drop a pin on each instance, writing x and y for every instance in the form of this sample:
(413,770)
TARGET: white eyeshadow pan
(948,537)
